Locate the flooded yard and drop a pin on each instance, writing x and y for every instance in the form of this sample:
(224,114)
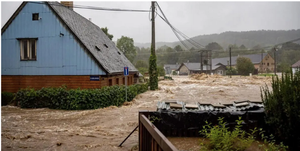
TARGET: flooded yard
(105,129)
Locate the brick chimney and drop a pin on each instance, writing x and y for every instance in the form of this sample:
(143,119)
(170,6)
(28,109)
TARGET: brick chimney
(68,4)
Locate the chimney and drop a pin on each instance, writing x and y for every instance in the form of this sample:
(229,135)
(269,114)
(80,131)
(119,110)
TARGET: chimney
(68,4)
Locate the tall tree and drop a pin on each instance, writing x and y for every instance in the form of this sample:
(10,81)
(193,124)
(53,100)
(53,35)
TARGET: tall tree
(126,45)
(244,66)
(178,48)
(242,47)
(213,46)
(105,30)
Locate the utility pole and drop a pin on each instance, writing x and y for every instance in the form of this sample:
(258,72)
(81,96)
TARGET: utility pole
(230,61)
(262,61)
(275,61)
(153,27)
(153,77)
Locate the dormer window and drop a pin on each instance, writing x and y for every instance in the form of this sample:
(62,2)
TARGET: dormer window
(35,16)
(105,45)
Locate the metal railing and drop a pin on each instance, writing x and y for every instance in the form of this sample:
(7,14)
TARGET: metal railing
(150,138)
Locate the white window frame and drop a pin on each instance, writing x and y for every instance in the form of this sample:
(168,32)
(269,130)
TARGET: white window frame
(29,42)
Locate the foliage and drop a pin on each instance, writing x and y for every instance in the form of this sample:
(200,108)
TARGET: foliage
(153,75)
(77,99)
(221,139)
(143,70)
(168,78)
(161,71)
(282,107)
(6,98)
(178,48)
(126,45)
(243,47)
(244,66)
(213,46)
(141,64)
(105,30)
(233,71)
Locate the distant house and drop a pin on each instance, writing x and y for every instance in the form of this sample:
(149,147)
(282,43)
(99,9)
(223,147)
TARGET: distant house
(192,68)
(47,44)
(296,66)
(262,62)
(171,67)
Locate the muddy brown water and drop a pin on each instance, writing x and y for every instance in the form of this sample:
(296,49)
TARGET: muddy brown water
(104,129)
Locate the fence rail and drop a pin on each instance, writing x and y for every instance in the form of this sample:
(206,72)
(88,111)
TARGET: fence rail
(150,138)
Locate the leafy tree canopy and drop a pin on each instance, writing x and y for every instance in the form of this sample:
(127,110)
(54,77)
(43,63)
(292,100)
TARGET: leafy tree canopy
(242,47)
(178,48)
(213,46)
(141,63)
(126,45)
(105,30)
(244,66)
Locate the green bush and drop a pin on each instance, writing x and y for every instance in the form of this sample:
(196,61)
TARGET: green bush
(282,108)
(168,77)
(161,71)
(77,99)
(6,98)
(221,139)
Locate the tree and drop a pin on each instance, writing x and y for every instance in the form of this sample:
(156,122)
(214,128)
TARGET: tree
(105,30)
(141,63)
(125,44)
(213,46)
(161,71)
(178,48)
(244,66)
(242,47)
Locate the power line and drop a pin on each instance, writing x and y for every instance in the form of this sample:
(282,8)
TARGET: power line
(196,44)
(93,7)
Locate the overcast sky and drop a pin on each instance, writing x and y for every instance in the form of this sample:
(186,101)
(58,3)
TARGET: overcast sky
(191,18)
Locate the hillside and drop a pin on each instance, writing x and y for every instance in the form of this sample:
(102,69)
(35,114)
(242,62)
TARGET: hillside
(249,39)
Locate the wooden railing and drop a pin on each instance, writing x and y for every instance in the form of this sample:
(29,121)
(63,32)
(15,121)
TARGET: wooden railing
(150,138)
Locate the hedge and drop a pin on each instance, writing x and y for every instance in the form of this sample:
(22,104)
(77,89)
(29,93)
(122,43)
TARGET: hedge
(6,98)
(77,99)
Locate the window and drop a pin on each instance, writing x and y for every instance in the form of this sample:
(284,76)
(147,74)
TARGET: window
(267,64)
(35,16)
(28,49)
(110,82)
(117,81)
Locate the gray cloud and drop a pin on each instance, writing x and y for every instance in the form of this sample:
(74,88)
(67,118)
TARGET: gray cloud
(192,18)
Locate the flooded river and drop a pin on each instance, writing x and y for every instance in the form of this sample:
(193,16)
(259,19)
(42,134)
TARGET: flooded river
(105,129)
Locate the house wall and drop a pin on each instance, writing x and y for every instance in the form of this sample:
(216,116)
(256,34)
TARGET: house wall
(15,83)
(184,70)
(268,63)
(56,55)
(295,69)
(221,68)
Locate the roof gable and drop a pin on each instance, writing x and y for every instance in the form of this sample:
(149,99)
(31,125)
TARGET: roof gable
(90,36)
(296,65)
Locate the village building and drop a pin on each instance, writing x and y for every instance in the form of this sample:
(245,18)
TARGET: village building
(296,67)
(262,63)
(48,44)
(193,68)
